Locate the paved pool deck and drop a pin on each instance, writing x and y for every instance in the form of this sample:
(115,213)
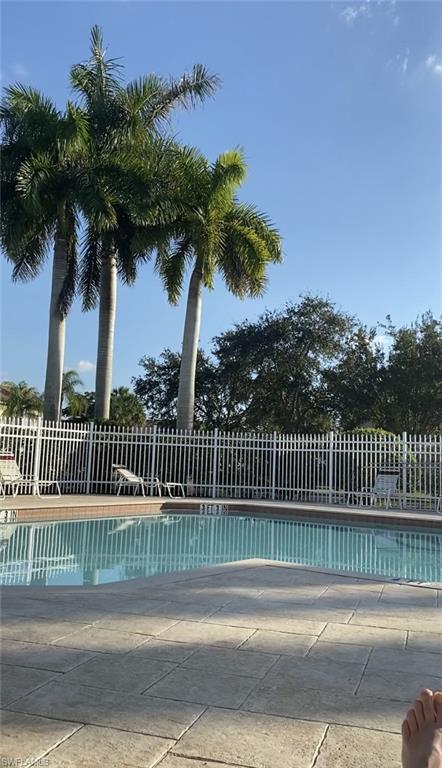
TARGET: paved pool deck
(246,665)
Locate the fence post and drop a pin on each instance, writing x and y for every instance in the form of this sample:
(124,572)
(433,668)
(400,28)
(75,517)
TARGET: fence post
(89,456)
(274,466)
(215,463)
(37,455)
(404,467)
(153,459)
(330,466)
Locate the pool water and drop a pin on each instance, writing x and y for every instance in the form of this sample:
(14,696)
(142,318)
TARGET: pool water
(116,549)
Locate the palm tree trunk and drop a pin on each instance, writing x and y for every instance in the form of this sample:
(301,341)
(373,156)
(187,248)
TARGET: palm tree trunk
(186,388)
(57,332)
(106,327)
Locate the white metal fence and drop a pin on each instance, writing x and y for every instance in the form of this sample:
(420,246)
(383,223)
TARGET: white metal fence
(316,467)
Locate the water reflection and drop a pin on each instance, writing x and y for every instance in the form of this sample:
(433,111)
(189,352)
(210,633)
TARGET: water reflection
(93,552)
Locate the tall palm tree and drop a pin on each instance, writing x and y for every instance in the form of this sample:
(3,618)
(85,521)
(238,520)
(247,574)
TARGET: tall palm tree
(20,399)
(42,151)
(120,118)
(216,234)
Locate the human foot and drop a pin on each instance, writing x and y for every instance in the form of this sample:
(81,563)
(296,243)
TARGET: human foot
(422,732)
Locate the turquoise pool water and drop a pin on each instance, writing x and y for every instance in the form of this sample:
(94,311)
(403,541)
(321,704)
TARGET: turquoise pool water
(117,549)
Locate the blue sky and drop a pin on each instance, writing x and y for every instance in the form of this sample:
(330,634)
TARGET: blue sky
(338,108)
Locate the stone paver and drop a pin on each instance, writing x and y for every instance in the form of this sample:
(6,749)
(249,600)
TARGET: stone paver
(409,621)
(284,643)
(349,652)
(364,635)
(119,673)
(40,630)
(92,746)
(252,740)
(266,620)
(113,709)
(401,593)
(167,650)
(206,634)
(281,697)
(310,610)
(25,738)
(172,761)
(184,611)
(357,747)
(422,641)
(42,656)
(407,662)
(102,640)
(388,684)
(18,681)
(232,662)
(313,673)
(136,623)
(204,686)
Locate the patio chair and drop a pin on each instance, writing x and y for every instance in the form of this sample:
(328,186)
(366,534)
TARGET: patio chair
(11,477)
(385,487)
(127,478)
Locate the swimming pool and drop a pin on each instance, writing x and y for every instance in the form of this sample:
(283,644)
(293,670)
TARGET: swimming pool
(116,549)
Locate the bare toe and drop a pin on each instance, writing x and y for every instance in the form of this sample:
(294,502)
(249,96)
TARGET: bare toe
(427,705)
(406,734)
(437,700)
(412,722)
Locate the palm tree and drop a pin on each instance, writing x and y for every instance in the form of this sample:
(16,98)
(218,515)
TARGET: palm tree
(69,394)
(216,233)
(42,151)
(124,122)
(20,399)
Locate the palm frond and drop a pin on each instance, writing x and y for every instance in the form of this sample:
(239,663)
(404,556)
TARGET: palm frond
(89,277)
(186,92)
(171,264)
(34,178)
(228,172)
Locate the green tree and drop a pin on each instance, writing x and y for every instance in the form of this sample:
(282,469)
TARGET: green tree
(42,153)
(157,388)
(268,375)
(354,384)
(124,122)
(412,381)
(215,233)
(126,409)
(278,364)
(20,399)
(72,400)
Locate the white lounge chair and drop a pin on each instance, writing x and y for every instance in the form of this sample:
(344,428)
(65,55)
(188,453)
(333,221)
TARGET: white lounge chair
(11,477)
(126,477)
(385,487)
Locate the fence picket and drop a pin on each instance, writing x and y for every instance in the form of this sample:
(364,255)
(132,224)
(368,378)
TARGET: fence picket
(310,467)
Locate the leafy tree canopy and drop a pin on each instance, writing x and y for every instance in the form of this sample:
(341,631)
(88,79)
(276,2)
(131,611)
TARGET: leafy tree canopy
(126,409)
(20,399)
(306,368)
